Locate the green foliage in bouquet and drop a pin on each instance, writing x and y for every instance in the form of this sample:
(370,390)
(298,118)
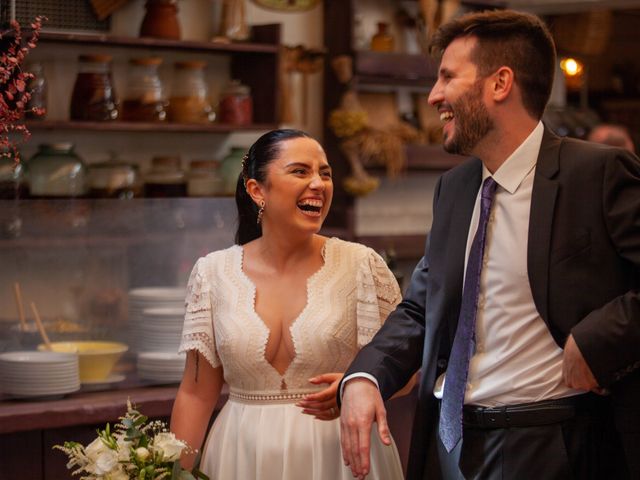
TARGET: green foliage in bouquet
(134,450)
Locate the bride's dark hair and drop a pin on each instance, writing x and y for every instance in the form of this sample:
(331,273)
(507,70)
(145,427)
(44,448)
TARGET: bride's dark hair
(254,165)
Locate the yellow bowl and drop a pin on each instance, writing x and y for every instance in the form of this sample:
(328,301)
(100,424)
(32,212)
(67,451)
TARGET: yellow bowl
(96,359)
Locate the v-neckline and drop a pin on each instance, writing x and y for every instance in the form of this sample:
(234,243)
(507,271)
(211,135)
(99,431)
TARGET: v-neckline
(240,265)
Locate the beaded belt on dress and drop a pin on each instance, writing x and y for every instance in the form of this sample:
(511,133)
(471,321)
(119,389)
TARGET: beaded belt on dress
(267,397)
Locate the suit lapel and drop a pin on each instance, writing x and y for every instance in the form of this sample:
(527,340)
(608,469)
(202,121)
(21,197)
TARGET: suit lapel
(543,201)
(466,193)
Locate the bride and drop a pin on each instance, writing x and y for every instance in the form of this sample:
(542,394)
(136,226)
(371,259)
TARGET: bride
(278,317)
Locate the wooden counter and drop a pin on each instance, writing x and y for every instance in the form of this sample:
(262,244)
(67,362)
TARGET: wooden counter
(29,429)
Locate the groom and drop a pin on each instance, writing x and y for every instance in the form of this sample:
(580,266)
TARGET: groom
(524,313)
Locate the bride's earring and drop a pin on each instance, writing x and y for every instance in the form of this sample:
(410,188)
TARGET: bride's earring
(260,212)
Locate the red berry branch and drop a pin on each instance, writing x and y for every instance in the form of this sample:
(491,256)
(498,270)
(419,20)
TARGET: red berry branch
(14,94)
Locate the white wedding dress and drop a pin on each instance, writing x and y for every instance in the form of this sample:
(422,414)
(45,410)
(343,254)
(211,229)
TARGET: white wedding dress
(260,434)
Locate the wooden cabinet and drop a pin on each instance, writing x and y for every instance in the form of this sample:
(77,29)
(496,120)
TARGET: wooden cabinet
(375,71)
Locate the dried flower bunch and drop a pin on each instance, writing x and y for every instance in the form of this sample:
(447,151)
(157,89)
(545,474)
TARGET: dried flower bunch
(14,94)
(134,449)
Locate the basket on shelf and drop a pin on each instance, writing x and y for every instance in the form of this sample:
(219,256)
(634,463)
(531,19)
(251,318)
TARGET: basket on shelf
(74,15)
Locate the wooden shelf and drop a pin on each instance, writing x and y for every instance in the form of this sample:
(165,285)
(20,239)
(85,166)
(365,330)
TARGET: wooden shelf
(394,69)
(427,158)
(264,42)
(153,127)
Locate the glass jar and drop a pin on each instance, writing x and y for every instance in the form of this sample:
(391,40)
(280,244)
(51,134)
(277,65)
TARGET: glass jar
(204,179)
(93,96)
(165,178)
(56,171)
(236,105)
(12,178)
(114,179)
(37,86)
(143,100)
(233,22)
(382,41)
(231,169)
(188,102)
(160,20)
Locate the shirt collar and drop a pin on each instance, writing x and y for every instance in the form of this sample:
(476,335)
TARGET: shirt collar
(515,168)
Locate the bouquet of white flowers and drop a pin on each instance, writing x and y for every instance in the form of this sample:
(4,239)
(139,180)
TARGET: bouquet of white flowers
(135,450)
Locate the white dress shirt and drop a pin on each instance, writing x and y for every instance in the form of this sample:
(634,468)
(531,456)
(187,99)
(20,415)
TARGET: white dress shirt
(516,359)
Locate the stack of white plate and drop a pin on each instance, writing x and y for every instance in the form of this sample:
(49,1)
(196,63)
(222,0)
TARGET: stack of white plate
(162,367)
(142,326)
(39,374)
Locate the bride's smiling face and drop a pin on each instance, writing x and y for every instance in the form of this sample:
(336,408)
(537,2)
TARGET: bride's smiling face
(299,188)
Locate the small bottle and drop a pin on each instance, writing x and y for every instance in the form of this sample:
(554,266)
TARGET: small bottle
(236,105)
(143,100)
(165,178)
(93,96)
(382,41)
(188,102)
(204,179)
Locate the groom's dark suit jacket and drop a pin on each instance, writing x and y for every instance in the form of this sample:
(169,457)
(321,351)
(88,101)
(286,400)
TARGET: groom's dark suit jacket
(583,267)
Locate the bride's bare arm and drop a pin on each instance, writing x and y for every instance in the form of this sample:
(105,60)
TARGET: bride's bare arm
(197,397)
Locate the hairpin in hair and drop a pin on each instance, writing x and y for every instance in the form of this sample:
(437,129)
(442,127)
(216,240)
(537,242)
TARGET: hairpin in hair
(245,168)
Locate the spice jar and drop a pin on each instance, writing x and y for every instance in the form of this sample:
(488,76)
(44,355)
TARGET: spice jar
(143,94)
(204,179)
(114,179)
(188,102)
(236,105)
(57,171)
(37,86)
(382,41)
(165,178)
(93,96)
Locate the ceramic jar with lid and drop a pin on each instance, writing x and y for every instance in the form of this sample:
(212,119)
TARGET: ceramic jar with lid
(236,105)
(56,171)
(188,102)
(143,97)
(165,178)
(93,96)
(161,20)
(114,179)
(231,169)
(203,179)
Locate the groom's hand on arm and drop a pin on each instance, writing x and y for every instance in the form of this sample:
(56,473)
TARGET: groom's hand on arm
(361,406)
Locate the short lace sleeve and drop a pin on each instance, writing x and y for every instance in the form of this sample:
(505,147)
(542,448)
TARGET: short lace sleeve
(378,294)
(197,332)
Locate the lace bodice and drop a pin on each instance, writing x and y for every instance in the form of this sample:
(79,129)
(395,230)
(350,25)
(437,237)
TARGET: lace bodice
(347,301)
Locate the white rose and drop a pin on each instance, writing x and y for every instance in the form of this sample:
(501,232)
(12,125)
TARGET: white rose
(104,459)
(142,453)
(169,446)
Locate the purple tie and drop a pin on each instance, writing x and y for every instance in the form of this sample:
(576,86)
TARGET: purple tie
(464,341)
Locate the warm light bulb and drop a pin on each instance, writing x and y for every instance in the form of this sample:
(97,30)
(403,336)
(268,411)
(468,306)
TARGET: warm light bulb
(571,66)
